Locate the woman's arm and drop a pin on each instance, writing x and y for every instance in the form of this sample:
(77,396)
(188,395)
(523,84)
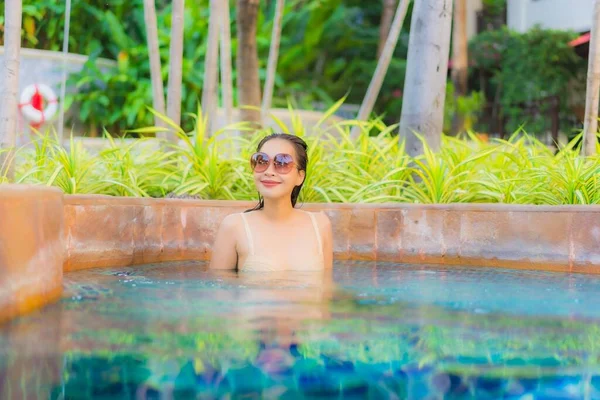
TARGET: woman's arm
(327,235)
(224,251)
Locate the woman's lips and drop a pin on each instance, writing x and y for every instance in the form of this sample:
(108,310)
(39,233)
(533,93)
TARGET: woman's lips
(269,184)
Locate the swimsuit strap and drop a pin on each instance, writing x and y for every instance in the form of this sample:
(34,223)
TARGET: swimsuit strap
(314,222)
(248,234)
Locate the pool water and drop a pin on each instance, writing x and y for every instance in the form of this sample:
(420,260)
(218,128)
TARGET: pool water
(363,330)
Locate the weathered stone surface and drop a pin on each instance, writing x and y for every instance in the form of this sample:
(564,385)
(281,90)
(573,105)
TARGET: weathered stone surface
(362,236)
(31,248)
(141,231)
(422,232)
(479,233)
(585,242)
(104,231)
(388,235)
(508,236)
(100,235)
(547,236)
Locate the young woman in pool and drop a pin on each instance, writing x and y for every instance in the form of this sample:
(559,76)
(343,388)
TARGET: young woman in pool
(274,235)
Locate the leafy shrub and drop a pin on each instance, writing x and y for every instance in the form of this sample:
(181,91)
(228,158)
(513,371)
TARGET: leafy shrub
(522,69)
(325,44)
(368,168)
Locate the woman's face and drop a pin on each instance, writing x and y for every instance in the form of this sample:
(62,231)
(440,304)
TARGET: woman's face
(270,183)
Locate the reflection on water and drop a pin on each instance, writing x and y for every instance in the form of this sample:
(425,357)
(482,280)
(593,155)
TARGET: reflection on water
(364,330)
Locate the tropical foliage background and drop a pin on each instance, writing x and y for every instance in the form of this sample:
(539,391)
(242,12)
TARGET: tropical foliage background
(372,167)
(328,50)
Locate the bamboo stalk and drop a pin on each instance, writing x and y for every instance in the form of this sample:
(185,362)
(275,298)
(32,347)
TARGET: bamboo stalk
(158,90)
(175,65)
(211,65)
(382,65)
(9,97)
(272,63)
(226,75)
(590,123)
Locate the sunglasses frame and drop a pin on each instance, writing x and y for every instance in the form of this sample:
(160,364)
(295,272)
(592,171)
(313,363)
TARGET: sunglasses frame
(279,167)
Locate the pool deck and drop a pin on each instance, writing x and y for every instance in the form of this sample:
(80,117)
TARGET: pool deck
(43,233)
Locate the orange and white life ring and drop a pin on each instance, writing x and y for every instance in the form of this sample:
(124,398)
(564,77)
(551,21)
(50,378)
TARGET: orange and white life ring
(32,101)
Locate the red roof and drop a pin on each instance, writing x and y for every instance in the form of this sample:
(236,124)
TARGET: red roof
(585,38)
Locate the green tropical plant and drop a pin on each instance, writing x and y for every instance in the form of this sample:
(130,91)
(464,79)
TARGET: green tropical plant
(138,167)
(339,46)
(71,168)
(115,99)
(114,22)
(4,166)
(201,167)
(568,178)
(371,167)
(469,108)
(494,7)
(508,70)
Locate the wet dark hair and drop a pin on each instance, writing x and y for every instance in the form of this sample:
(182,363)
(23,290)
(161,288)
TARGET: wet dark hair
(300,148)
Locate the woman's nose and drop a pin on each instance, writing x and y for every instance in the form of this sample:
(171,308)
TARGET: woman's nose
(270,170)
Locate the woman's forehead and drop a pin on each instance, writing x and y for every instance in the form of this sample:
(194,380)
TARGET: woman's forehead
(276,146)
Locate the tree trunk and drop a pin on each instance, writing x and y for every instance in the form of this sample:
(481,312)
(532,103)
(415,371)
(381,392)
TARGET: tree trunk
(382,66)
(158,90)
(272,64)
(460,48)
(387,14)
(63,83)
(226,76)
(460,67)
(426,71)
(211,67)
(590,123)
(247,61)
(9,97)
(175,65)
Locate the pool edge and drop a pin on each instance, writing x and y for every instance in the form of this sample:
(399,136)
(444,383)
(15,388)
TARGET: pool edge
(139,231)
(32,248)
(44,233)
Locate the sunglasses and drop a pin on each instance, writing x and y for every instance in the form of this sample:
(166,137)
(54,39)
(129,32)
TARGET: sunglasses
(283,162)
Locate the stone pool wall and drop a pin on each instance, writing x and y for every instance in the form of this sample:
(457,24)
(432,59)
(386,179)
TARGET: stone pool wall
(106,231)
(43,233)
(31,248)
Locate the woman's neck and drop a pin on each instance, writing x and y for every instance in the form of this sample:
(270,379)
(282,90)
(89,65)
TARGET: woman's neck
(278,209)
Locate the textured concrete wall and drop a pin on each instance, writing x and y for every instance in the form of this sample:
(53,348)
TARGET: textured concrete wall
(569,15)
(31,248)
(104,231)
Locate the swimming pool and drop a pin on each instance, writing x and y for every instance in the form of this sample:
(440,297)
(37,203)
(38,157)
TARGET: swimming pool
(367,330)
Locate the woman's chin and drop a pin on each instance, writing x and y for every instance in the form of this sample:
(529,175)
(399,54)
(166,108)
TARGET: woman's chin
(272,194)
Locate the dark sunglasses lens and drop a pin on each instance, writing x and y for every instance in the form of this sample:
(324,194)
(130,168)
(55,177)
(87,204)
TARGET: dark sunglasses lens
(260,162)
(283,163)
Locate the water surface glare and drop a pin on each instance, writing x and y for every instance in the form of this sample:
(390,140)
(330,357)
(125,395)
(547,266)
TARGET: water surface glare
(363,330)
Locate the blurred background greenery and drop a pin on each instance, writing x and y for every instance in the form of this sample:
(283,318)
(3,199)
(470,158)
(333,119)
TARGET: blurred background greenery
(328,50)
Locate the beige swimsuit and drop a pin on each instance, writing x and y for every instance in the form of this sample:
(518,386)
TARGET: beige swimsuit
(262,262)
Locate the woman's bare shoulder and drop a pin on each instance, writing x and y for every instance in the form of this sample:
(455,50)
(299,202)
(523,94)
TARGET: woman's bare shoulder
(322,216)
(231,223)
(323,220)
(224,250)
